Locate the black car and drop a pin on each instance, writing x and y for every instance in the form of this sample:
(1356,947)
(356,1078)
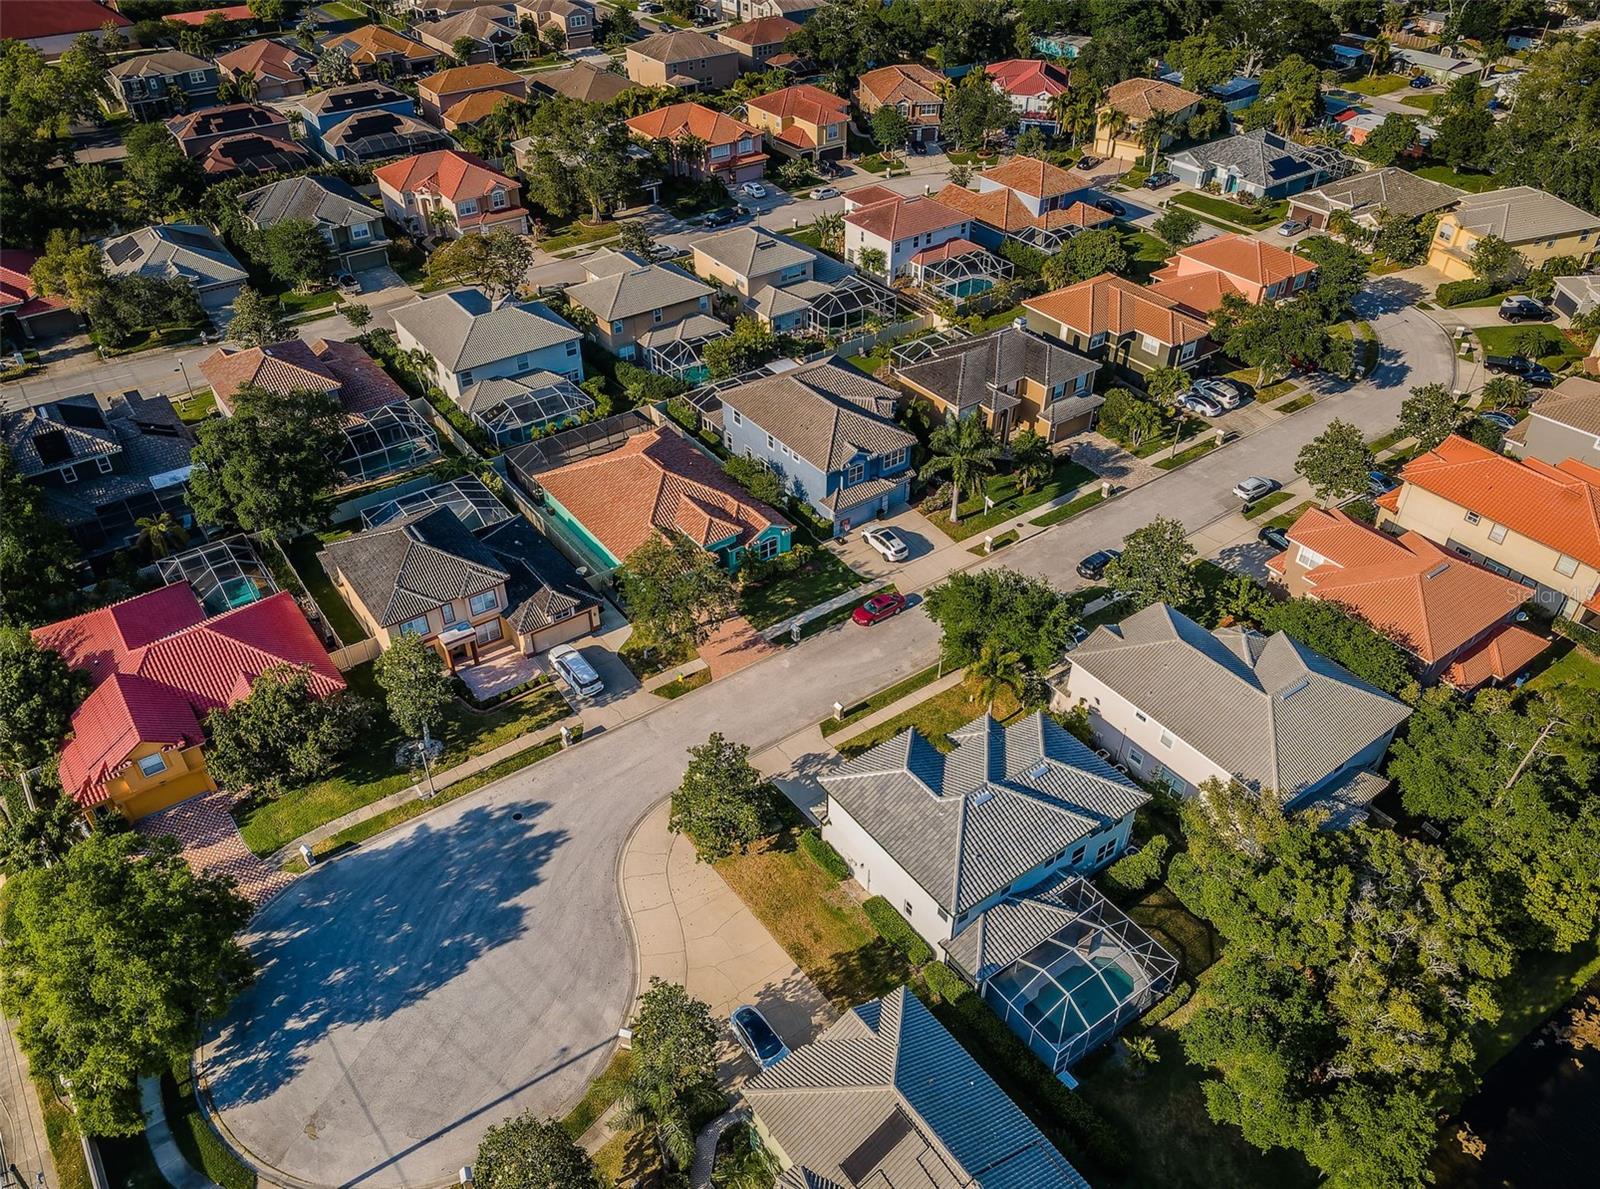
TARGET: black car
(1156,180)
(719,218)
(1087,162)
(919,147)
(1094,566)
(1525,309)
(1530,370)
(1419,82)
(1275,537)
(1111,207)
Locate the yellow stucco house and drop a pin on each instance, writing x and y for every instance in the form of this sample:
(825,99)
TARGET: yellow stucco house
(1137,100)
(1538,225)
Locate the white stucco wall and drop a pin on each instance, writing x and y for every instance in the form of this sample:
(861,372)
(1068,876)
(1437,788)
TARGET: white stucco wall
(882,876)
(1121,731)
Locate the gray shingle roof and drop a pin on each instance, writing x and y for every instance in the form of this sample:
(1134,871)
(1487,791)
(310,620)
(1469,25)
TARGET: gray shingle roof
(966,825)
(543,587)
(463,329)
(692,329)
(1396,190)
(162,63)
(331,202)
(966,372)
(800,409)
(1518,214)
(621,286)
(172,250)
(752,252)
(408,567)
(886,1096)
(1267,709)
(680,45)
(1262,157)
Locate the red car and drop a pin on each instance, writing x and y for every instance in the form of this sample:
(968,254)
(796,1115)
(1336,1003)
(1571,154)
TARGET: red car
(878,608)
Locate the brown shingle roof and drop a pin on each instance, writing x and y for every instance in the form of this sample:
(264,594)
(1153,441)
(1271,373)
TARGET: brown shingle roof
(1139,98)
(467,78)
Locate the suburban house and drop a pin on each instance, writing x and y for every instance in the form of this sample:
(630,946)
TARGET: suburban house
(52,28)
(1039,186)
(197,131)
(802,121)
(1129,105)
(513,409)
(278,68)
(631,299)
(1200,275)
(1118,322)
(1398,192)
(441,95)
(1032,86)
(350,224)
(254,153)
(946,836)
(1260,163)
(185,251)
(103,463)
(1013,379)
(470,596)
(449,193)
(377,51)
(682,58)
(870,1102)
(155,85)
(1563,423)
(1442,69)
(1451,616)
(582,81)
(1179,705)
(380,121)
(1576,295)
(1538,225)
(470,340)
(1000,214)
(759,41)
(25,314)
(912,88)
(383,434)
(159,666)
(788,286)
(796,10)
(732,152)
(829,433)
(899,228)
(1531,520)
(568,22)
(491,28)
(605,505)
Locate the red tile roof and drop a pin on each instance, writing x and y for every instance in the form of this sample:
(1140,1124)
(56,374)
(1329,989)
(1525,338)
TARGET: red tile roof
(803,102)
(449,172)
(948,250)
(326,365)
(234,12)
(17,293)
(1245,256)
(267,59)
(1112,305)
(1033,177)
(693,119)
(656,482)
(1027,77)
(58,18)
(160,666)
(1501,656)
(1201,292)
(898,218)
(914,83)
(1558,506)
(761,31)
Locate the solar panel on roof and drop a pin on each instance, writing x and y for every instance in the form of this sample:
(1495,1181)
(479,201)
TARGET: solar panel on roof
(873,1150)
(83,416)
(122,250)
(190,240)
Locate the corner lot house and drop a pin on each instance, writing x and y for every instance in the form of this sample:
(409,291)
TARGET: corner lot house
(682,58)
(279,69)
(183,250)
(900,228)
(350,224)
(873,1098)
(1200,275)
(1563,423)
(1120,323)
(1261,163)
(25,314)
(1013,379)
(159,666)
(731,150)
(450,193)
(1539,225)
(1136,100)
(1397,191)
(1452,616)
(1181,705)
(828,432)
(472,340)
(914,89)
(155,85)
(802,121)
(103,463)
(1531,521)
(632,299)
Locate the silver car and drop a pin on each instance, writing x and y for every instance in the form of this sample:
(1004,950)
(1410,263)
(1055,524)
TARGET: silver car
(757,1037)
(887,542)
(576,673)
(1229,394)
(1254,488)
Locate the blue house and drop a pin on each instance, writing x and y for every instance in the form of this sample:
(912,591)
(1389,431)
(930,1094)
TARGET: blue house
(828,432)
(324,111)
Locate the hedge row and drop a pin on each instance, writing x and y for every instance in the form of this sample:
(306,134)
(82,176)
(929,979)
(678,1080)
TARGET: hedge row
(1176,998)
(1134,873)
(1454,293)
(823,854)
(894,929)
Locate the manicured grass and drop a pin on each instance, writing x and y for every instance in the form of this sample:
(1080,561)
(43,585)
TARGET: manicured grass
(644,666)
(1070,509)
(1285,519)
(342,12)
(838,615)
(869,362)
(824,577)
(630,1158)
(818,923)
(885,697)
(368,773)
(1576,668)
(806,235)
(1378,84)
(1421,102)
(1556,349)
(997,319)
(1387,440)
(602,1093)
(302,553)
(1272,392)
(1222,208)
(683,685)
(1267,502)
(1183,457)
(935,717)
(201,1146)
(997,544)
(576,234)
(1474,183)
(196,407)
(1185,936)
(61,1133)
(149,340)
(294,303)
(1010,501)
(1146,253)
(1304,400)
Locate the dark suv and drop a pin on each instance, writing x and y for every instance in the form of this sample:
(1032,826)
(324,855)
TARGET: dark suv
(1525,309)
(1530,370)
(1094,566)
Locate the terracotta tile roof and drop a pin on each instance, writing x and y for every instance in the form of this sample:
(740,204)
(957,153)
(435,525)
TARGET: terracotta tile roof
(693,119)
(1033,177)
(803,102)
(1558,506)
(475,107)
(1139,98)
(1500,657)
(280,367)
(946,251)
(268,59)
(1027,77)
(363,384)
(1079,214)
(164,666)
(370,42)
(1425,598)
(869,194)
(761,31)
(656,482)
(17,293)
(1112,305)
(233,12)
(449,172)
(898,218)
(25,22)
(1253,259)
(890,84)
(1200,292)
(467,78)
(796,135)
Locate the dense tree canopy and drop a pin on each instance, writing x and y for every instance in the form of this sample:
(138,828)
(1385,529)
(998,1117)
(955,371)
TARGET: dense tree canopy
(676,593)
(1337,462)
(280,735)
(1005,609)
(38,694)
(577,159)
(672,1084)
(37,558)
(722,801)
(526,1152)
(1156,566)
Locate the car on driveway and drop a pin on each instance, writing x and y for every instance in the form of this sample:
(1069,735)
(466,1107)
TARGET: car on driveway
(1499,420)
(1251,489)
(1196,402)
(1094,566)
(1156,180)
(1077,636)
(1530,370)
(1525,309)
(753,190)
(756,1036)
(1111,207)
(919,148)
(576,674)
(1290,227)
(719,218)
(1230,394)
(822,192)
(1379,483)
(879,608)
(1275,537)
(887,542)
(1087,162)
(1420,82)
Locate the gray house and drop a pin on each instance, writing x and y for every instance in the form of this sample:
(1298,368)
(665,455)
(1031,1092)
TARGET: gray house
(352,227)
(1563,424)
(828,431)
(1398,192)
(1261,163)
(151,86)
(184,251)
(1576,295)
(470,340)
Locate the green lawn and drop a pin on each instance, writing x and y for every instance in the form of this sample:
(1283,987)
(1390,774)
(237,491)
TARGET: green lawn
(1303,401)
(61,1134)
(684,685)
(603,1091)
(997,319)
(1378,84)
(1146,253)
(1009,501)
(1268,502)
(1285,519)
(200,1145)
(857,711)
(824,577)
(1070,509)
(1555,352)
(1184,457)
(806,235)
(576,234)
(935,717)
(368,772)
(196,407)
(1575,667)
(303,556)
(294,303)
(1474,183)
(870,362)
(1232,212)
(1421,102)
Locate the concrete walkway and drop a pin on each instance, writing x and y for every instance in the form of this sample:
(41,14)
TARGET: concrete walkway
(705,1146)
(179,1173)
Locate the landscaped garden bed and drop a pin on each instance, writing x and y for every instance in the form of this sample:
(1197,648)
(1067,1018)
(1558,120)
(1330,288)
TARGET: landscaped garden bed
(1010,500)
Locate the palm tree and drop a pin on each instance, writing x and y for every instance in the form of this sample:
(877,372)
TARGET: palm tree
(1381,51)
(1082,114)
(247,85)
(1115,122)
(830,231)
(689,152)
(1152,132)
(159,535)
(1343,224)
(1059,108)
(967,451)
(997,668)
(1032,460)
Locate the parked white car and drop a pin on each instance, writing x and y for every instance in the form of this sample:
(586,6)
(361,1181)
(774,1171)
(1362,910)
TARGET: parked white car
(576,674)
(753,190)
(1254,488)
(887,542)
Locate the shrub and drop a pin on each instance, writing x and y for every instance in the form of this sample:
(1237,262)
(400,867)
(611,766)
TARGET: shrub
(897,932)
(1454,293)
(1174,999)
(1134,873)
(943,983)
(823,854)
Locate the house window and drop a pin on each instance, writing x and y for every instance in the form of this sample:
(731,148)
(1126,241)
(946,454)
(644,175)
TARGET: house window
(572,348)
(1166,738)
(153,765)
(1105,851)
(1150,343)
(655,316)
(361,232)
(1497,533)
(766,548)
(1135,758)
(197,76)
(522,363)
(853,474)
(489,632)
(467,206)
(103,463)
(908,907)
(737,420)
(943,915)
(1077,856)
(448,611)
(1473,518)
(616,328)
(1139,714)
(1097,341)
(415,627)
(497,200)
(1566,566)
(69,474)
(487,601)
(894,458)
(770,442)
